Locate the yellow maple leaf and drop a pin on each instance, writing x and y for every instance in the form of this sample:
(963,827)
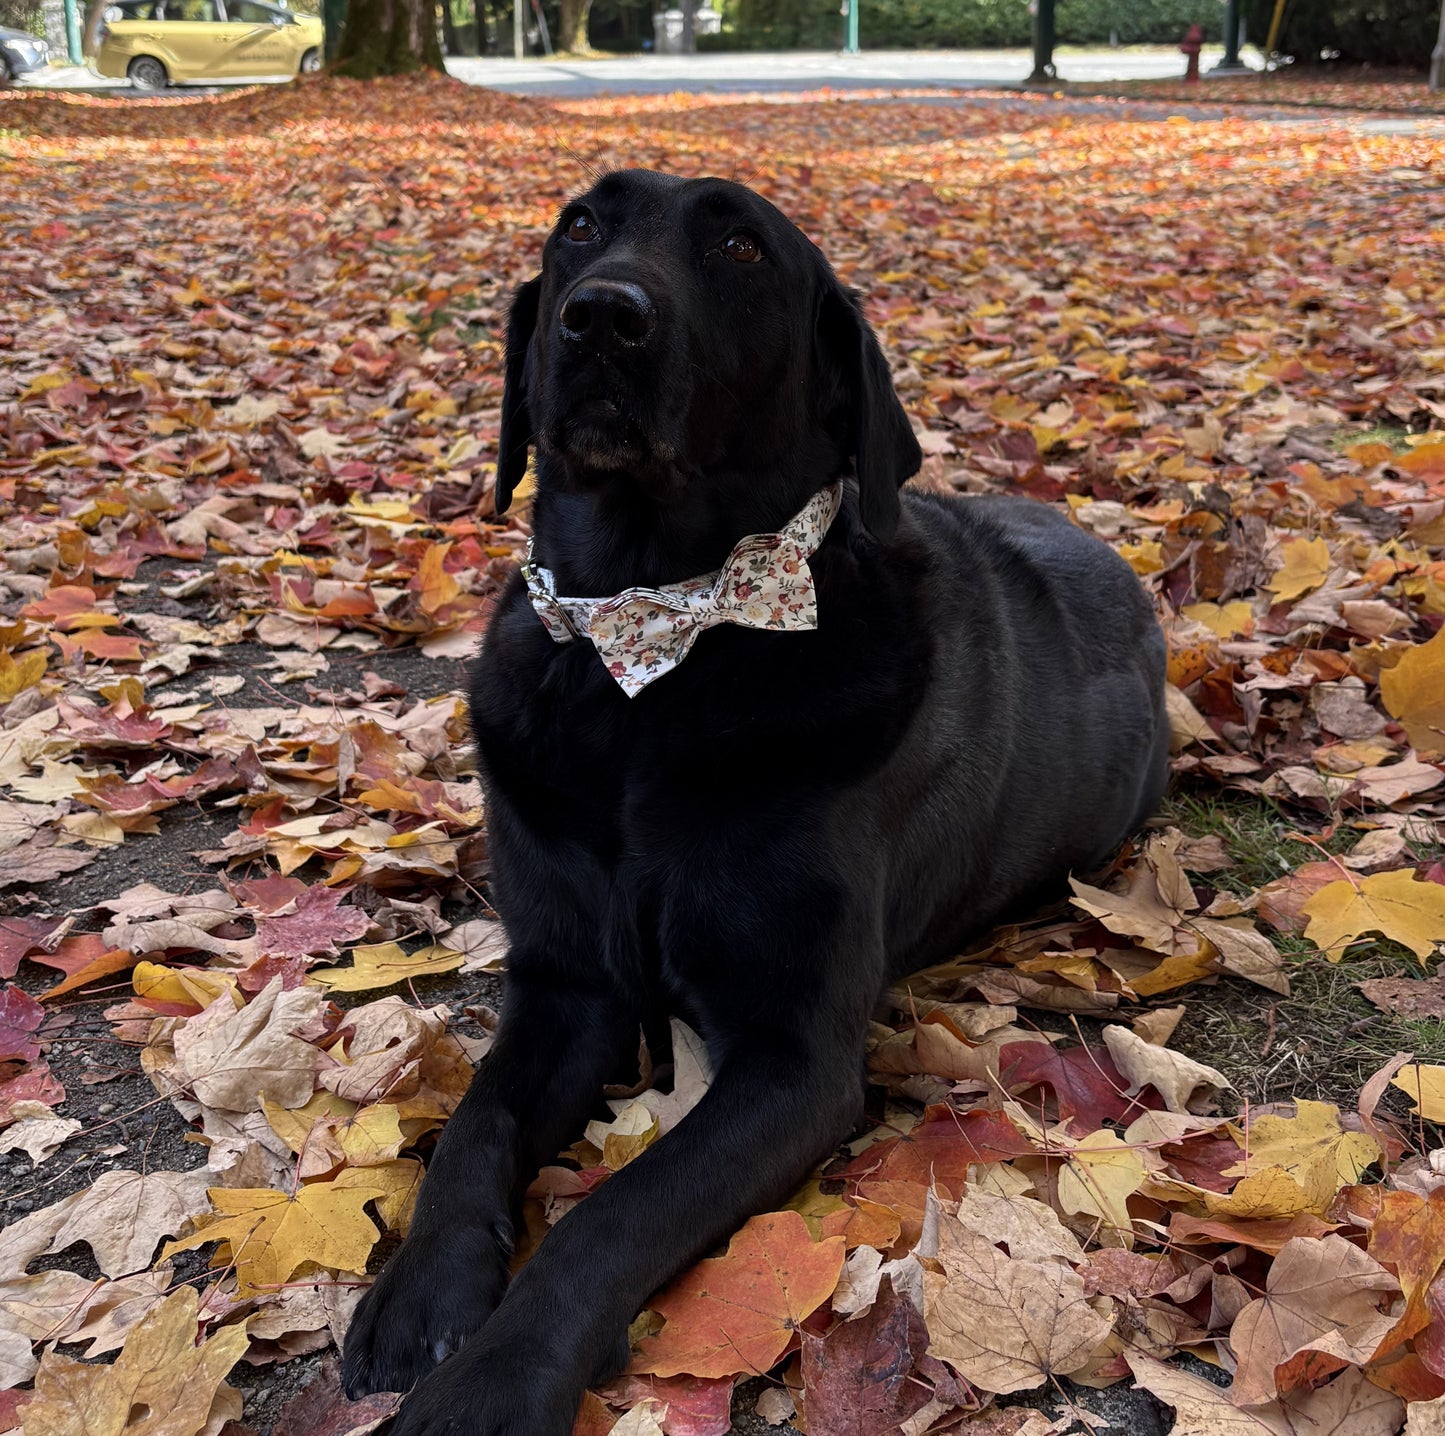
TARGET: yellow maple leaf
(1311,1147)
(1224,620)
(293,1124)
(161,1384)
(1266,1195)
(1414,692)
(270,1235)
(1100,1175)
(1144,556)
(1426,1085)
(1392,904)
(16,677)
(1306,566)
(197,986)
(381,964)
(329,1130)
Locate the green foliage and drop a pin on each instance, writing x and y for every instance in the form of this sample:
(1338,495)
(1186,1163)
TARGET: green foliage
(1137,22)
(1377,32)
(778,24)
(21,15)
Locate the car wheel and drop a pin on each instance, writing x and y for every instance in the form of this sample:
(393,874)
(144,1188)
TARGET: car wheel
(311,62)
(6,73)
(147,74)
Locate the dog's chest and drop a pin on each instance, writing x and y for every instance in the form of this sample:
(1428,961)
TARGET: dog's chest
(746,716)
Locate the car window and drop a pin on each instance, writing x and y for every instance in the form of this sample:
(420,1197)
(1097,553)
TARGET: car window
(190,9)
(250,13)
(134,10)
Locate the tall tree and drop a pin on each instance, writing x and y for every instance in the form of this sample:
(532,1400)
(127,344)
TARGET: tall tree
(388,37)
(572,27)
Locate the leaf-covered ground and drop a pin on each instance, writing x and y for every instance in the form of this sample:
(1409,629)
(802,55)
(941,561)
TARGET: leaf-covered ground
(1343,88)
(249,379)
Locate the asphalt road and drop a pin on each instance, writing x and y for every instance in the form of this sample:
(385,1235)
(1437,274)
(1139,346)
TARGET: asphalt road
(753,71)
(812,69)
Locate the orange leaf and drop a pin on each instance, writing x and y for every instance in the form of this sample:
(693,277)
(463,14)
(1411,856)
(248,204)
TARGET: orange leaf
(117,647)
(865,1225)
(1428,461)
(739,1313)
(1414,692)
(1408,1234)
(83,958)
(438,587)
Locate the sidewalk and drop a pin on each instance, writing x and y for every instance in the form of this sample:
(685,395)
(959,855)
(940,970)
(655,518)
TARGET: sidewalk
(768,71)
(814,69)
(67,77)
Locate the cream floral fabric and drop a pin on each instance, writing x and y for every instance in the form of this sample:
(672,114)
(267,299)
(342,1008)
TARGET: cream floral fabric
(643,633)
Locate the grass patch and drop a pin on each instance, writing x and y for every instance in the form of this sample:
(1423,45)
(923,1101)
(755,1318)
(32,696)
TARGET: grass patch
(1391,434)
(1325,1038)
(1256,833)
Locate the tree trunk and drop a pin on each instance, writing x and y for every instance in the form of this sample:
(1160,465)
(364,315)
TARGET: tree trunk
(689,27)
(388,37)
(573,34)
(1437,60)
(449,30)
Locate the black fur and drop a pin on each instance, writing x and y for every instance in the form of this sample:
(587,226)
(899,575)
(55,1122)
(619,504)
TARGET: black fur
(764,838)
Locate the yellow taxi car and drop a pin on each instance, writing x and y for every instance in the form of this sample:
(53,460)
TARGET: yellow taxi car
(155,43)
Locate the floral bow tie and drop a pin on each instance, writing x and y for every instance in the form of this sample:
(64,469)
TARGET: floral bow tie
(643,633)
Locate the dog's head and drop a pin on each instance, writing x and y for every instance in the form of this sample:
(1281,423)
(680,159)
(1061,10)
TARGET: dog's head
(685,337)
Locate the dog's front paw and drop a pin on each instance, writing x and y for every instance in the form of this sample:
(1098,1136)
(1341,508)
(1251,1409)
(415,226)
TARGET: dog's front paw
(434,1294)
(493,1389)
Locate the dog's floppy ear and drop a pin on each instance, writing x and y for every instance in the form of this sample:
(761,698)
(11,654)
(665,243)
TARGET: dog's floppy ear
(516,415)
(885,453)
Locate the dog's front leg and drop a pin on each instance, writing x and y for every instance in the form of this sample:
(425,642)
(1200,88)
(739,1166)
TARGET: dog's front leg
(774,1110)
(558,1042)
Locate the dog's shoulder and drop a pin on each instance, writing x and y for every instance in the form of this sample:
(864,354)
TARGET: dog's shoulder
(1025,542)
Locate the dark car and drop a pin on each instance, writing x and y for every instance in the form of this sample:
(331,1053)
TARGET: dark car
(21,53)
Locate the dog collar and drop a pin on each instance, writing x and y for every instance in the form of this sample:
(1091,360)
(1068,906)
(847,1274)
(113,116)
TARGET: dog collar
(643,633)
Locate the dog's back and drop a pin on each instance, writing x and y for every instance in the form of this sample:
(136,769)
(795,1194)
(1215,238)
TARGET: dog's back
(1044,722)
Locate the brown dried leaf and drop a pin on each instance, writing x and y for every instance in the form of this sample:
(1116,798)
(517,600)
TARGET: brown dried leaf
(228,1056)
(162,1383)
(1322,1297)
(1007,1325)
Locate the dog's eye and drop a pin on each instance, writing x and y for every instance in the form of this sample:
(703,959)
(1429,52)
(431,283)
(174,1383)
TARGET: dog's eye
(743,248)
(581,229)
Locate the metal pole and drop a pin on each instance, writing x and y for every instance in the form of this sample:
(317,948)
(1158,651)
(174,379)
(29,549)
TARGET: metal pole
(852,46)
(1437,60)
(1231,36)
(72,33)
(542,27)
(1043,43)
(1275,25)
(519,28)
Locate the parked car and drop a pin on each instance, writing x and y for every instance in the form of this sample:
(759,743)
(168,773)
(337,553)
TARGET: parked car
(21,54)
(155,43)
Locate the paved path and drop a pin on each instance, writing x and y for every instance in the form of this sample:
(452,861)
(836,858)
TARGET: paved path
(813,69)
(779,71)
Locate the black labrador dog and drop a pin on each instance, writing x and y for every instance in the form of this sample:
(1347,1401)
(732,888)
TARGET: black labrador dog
(759,834)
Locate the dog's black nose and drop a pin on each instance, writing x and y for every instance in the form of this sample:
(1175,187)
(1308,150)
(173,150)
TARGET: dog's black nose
(608,314)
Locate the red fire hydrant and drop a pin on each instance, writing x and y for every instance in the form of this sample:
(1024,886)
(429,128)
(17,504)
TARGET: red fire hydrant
(1193,43)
